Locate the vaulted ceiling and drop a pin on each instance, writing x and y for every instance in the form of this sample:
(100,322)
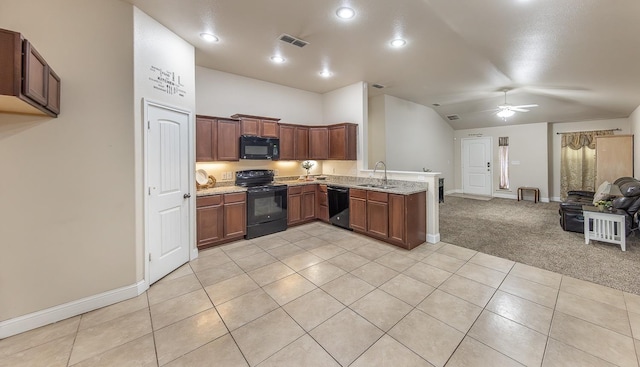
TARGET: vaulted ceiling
(576,59)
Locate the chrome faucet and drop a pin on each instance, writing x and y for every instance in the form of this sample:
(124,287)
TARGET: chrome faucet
(385,171)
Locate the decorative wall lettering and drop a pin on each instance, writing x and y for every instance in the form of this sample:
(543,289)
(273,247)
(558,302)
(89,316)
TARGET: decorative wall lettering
(167,81)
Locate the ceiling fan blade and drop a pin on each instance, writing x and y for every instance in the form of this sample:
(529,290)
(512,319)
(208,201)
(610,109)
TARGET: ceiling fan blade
(525,106)
(519,109)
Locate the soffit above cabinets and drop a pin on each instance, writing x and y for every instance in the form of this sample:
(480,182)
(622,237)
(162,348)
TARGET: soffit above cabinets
(576,59)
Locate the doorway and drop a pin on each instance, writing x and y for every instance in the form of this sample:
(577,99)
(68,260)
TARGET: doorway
(167,189)
(477,166)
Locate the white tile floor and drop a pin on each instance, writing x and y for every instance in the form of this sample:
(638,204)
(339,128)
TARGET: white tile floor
(317,295)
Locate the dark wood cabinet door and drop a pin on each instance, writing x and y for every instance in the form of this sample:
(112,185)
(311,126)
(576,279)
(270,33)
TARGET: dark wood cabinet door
(205,139)
(235,215)
(36,75)
(358,214)
(309,206)
(397,230)
(53,97)
(342,142)
(378,219)
(318,143)
(228,140)
(209,218)
(249,126)
(294,209)
(302,143)
(269,129)
(287,142)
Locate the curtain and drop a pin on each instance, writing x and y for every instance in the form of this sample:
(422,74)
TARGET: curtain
(578,161)
(503,153)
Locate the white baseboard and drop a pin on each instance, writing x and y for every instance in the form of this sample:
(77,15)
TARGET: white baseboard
(503,195)
(50,315)
(454,191)
(433,238)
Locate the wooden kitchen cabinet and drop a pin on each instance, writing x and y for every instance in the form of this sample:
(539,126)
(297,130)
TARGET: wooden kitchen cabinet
(358,210)
(343,141)
(210,220)
(322,209)
(301,204)
(28,85)
(318,143)
(301,143)
(377,214)
(266,127)
(287,142)
(220,218)
(217,139)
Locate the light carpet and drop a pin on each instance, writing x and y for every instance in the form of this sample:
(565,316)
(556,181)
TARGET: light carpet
(530,233)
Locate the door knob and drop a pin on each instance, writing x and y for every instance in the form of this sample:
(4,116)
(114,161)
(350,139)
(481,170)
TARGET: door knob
(186,196)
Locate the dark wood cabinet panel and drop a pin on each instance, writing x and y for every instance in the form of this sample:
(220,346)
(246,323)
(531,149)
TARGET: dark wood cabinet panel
(309,205)
(301,143)
(322,207)
(209,219)
(397,218)
(235,219)
(343,141)
(318,143)
(204,139)
(294,208)
(220,218)
(378,219)
(358,210)
(249,126)
(227,140)
(28,85)
(258,125)
(287,142)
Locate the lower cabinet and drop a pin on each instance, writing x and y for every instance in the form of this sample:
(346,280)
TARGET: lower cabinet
(220,218)
(322,210)
(398,219)
(301,204)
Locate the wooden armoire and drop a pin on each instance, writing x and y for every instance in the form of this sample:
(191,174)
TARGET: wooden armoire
(614,157)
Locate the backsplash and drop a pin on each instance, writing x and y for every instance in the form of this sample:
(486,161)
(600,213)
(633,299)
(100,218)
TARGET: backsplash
(225,171)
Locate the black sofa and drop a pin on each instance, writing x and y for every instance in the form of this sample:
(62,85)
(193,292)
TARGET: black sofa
(571,218)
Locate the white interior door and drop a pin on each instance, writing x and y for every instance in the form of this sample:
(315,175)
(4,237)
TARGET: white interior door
(477,166)
(167,189)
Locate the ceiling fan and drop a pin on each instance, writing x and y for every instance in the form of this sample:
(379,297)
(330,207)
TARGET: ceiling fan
(507,110)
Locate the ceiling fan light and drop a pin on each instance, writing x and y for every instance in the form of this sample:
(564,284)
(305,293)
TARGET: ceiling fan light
(505,113)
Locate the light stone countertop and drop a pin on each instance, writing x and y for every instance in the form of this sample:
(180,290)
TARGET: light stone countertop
(399,187)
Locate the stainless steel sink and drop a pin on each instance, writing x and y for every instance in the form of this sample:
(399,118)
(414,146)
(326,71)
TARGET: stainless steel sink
(377,186)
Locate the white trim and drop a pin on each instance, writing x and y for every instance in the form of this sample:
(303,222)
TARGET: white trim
(50,315)
(555,198)
(454,191)
(433,238)
(505,196)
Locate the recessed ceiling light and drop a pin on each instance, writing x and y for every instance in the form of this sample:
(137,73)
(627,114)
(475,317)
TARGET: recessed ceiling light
(398,42)
(209,37)
(277,59)
(325,73)
(345,13)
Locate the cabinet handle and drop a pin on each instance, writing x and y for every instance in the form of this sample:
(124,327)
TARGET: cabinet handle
(186,196)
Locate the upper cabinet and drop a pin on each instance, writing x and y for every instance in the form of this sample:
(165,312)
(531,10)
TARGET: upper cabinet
(342,141)
(266,127)
(318,142)
(28,85)
(217,139)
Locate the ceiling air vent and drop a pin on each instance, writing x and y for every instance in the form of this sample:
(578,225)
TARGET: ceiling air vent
(293,40)
(453,117)
(379,86)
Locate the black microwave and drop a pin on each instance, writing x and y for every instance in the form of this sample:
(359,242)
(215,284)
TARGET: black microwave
(255,147)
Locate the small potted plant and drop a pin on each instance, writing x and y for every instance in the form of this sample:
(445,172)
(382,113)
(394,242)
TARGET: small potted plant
(307,165)
(603,205)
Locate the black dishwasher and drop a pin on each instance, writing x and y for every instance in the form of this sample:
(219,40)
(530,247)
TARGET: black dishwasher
(338,206)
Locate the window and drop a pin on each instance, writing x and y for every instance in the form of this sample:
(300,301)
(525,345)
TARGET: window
(503,152)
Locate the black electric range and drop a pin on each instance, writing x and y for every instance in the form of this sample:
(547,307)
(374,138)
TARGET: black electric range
(266,202)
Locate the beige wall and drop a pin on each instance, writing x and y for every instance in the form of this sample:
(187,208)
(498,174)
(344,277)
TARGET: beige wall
(554,144)
(67,189)
(223,94)
(634,122)
(527,157)
(377,134)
